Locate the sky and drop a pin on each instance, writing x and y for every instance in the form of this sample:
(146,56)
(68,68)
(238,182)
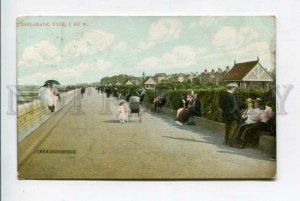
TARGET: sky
(85,49)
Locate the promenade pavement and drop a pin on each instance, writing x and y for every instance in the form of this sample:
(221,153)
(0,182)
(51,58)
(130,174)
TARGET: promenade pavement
(90,143)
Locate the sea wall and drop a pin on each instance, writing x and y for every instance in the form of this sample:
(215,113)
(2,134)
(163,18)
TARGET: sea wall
(31,116)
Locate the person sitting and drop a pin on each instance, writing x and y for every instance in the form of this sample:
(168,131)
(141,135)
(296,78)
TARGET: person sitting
(157,101)
(253,107)
(186,114)
(196,106)
(262,120)
(186,103)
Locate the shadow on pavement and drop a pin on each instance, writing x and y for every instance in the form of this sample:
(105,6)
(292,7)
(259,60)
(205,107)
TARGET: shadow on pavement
(185,139)
(112,121)
(211,137)
(248,153)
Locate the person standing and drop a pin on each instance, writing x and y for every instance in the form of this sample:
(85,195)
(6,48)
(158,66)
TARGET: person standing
(82,91)
(122,111)
(54,96)
(230,113)
(45,94)
(108,92)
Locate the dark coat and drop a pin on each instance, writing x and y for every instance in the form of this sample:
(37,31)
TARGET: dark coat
(229,107)
(196,107)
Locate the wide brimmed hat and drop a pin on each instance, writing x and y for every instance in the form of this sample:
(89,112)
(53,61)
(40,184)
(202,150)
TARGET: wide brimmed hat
(249,100)
(121,102)
(257,100)
(232,84)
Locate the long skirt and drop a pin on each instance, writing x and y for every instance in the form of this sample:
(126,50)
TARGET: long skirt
(250,134)
(184,115)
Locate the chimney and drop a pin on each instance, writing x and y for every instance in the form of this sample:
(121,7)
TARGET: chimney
(234,62)
(257,58)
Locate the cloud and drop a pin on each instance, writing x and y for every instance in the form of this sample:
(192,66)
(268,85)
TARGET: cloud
(180,57)
(122,46)
(161,31)
(230,38)
(149,63)
(206,21)
(164,30)
(79,73)
(42,53)
(89,42)
(202,51)
(144,45)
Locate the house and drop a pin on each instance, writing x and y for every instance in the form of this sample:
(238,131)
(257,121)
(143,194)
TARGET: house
(159,77)
(150,83)
(204,77)
(191,76)
(247,74)
(219,76)
(179,77)
(128,82)
(117,83)
(135,82)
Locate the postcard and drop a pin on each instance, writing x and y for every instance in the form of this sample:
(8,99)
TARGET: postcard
(146,97)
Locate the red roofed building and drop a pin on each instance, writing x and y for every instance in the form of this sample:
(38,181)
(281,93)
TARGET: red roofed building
(248,74)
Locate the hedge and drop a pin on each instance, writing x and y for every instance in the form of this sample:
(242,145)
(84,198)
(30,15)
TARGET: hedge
(209,99)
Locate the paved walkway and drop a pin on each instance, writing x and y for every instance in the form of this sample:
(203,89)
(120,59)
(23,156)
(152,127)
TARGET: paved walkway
(92,144)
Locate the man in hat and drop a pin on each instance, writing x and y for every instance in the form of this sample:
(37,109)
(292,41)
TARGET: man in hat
(230,113)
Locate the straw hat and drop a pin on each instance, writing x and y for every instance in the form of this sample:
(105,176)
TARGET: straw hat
(249,100)
(257,100)
(232,84)
(122,101)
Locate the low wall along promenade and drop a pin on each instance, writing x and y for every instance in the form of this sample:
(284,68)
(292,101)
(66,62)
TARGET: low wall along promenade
(31,115)
(35,122)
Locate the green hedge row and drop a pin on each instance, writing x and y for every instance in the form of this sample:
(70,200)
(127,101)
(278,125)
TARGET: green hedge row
(208,99)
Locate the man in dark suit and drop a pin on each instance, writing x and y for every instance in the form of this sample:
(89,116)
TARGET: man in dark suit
(230,113)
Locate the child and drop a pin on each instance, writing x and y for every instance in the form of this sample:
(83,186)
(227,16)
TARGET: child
(122,111)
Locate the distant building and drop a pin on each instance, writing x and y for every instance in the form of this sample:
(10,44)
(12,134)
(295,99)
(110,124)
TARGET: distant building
(204,77)
(118,84)
(128,82)
(190,76)
(179,77)
(150,83)
(247,74)
(159,77)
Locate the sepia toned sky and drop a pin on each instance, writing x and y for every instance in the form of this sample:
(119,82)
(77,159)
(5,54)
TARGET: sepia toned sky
(85,49)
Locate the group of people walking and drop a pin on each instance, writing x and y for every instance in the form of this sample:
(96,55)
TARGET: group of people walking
(239,126)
